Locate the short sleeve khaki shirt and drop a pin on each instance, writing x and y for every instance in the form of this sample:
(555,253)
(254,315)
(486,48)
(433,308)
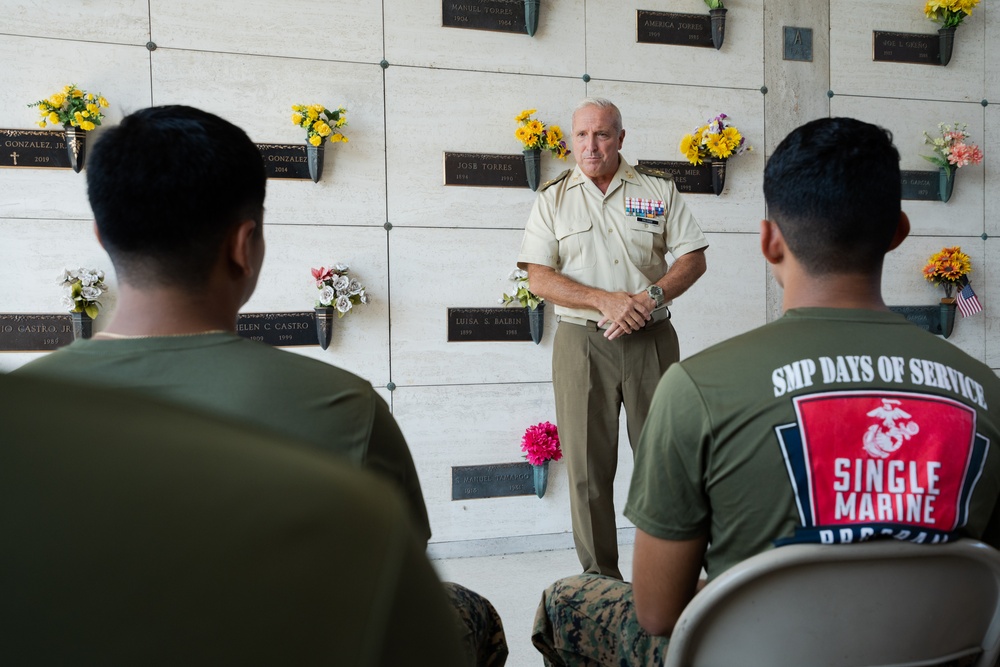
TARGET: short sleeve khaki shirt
(589,237)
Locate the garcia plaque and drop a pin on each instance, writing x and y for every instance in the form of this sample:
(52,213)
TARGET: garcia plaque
(492,481)
(488,324)
(485,170)
(688,177)
(495,15)
(906,47)
(279,329)
(285,161)
(921,185)
(670,28)
(34,332)
(33,149)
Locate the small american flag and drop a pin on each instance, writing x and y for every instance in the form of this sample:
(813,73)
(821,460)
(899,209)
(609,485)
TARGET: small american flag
(967,301)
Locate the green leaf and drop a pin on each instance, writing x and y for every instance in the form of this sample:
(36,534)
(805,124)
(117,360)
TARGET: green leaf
(91,311)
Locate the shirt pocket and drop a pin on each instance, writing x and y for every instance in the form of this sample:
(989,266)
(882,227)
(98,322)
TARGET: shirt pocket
(645,240)
(576,245)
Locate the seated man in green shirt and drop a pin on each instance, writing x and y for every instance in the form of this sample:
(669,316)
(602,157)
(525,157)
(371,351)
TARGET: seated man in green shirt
(178,199)
(143,533)
(829,425)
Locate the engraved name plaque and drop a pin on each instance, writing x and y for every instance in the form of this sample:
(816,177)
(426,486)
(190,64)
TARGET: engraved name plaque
(492,481)
(279,329)
(688,177)
(906,47)
(33,149)
(670,28)
(285,161)
(34,332)
(925,317)
(798,43)
(488,324)
(485,170)
(921,185)
(495,15)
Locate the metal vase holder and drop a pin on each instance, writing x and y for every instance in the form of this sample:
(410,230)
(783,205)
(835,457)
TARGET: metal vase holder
(536,322)
(946,182)
(533,167)
(314,158)
(718,176)
(324,325)
(541,478)
(946,42)
(718,26)
(76,146)
(83,325)
(531,16)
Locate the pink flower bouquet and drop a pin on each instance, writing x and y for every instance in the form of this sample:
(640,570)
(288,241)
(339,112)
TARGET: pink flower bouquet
(541,443)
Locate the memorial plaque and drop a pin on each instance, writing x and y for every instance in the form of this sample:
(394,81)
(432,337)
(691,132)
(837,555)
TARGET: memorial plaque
(285,161)
(696,179)
(34,332)
(906,47)
(921,185)
(33,149)
(492,481)
(495,15)
(925,317)
(279,329)
(485,170)
(798,43)
(670,28)
(488,324)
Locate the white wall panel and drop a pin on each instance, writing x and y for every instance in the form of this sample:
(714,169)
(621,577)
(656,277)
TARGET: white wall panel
(414,36)
(991,167)
(657,116)
(478,119)
(908,120)
(122,21)
(991,17)
(346,31)
(433,270)
(360,340)
(854,72)
(352,190)
(613,53)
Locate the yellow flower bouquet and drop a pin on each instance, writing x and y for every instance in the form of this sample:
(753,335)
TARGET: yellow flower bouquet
(947,268)
(949,13)
(715,139)
(72,108)
(320,123)
(534,135)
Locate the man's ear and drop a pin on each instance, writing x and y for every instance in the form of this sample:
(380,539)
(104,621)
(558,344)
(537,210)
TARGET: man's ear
(902,231)
(241,246)
(772,242)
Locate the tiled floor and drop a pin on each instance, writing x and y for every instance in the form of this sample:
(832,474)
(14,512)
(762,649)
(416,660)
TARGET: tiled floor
(514,584)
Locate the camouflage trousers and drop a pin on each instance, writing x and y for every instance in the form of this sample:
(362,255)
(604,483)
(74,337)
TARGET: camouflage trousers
(479,627)
(589,620)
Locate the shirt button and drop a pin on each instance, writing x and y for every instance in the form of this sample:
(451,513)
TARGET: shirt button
(616,261)
(611,230)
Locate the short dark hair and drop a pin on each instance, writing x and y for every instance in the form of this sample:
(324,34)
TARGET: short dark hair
(833,188)
(166,186)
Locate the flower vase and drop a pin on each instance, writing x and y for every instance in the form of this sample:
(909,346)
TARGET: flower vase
(718,27)
(541,478)
(533,166)
(76,146)
(947,316)
(946,182)
(324,325)
(83,325)
(536,321)
(531,16)
(946,42)
(314,158)
(718,176)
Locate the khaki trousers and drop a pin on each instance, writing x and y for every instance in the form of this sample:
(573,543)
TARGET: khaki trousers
(592,378)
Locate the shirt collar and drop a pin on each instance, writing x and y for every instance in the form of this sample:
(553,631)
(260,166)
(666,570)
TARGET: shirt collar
(626,172)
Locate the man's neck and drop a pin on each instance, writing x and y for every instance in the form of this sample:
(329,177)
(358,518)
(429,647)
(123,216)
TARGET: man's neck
(168,312)
(834,291)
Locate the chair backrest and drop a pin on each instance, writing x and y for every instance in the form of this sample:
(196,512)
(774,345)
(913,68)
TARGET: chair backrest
(880,603)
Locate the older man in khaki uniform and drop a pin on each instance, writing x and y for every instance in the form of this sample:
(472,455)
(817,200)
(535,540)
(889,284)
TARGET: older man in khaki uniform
(595,245)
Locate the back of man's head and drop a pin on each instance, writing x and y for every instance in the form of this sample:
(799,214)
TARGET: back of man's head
(833,188)
(165,186)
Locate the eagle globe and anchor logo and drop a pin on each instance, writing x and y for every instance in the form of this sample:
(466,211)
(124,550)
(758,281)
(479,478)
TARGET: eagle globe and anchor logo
(886,437)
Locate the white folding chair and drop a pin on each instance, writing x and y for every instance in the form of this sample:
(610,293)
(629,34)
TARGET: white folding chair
(882,603)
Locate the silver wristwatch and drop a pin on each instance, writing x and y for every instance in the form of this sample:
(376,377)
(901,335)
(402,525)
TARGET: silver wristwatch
(655,293)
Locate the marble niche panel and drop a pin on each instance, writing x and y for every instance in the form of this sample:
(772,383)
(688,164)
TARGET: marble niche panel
(414,36)
(472,112)
(436,269)
(613,53)
(656,117)
(120,73)
(992,58)
(360,340)
(908,120)
(115,21)
(352,189)
(346,31)
(991,167)
(854,72)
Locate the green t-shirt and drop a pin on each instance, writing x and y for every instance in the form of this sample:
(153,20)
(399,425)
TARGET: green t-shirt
(255,384)
(828,425)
